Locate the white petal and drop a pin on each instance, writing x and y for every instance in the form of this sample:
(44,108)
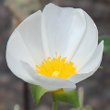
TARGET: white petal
(91,66)
(88,44)
(63,29)
(96,59)
(16,51)
(30,30)
(47,82)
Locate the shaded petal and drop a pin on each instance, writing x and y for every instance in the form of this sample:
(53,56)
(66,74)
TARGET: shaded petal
(30,30)
(88,44)
(47,82)
(91,66)
(16,51)
(63,29)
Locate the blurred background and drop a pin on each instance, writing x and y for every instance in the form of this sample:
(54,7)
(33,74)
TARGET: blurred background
(15,91)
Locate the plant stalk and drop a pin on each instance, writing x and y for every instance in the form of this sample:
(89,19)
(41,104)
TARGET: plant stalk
(54,106)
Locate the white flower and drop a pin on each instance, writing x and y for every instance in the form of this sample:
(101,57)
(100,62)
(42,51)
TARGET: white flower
(55,48)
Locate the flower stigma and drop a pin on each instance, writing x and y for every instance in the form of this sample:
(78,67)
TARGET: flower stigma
(56,67)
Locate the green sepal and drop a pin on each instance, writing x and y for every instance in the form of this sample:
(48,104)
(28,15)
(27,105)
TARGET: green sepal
(70,97)
(37,92)
(106,43)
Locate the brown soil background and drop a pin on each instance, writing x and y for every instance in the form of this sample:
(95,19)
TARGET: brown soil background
(97,87)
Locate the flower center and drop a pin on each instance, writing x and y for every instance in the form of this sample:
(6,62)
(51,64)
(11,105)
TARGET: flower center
(56,67)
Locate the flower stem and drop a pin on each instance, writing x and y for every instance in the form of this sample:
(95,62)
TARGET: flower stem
(81,97)
(54,106)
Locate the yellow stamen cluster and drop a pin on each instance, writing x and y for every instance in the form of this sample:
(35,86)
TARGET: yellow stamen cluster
(56,67)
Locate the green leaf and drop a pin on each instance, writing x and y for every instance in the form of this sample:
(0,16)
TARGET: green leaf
(106,43)
(37,92)
(70,97)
